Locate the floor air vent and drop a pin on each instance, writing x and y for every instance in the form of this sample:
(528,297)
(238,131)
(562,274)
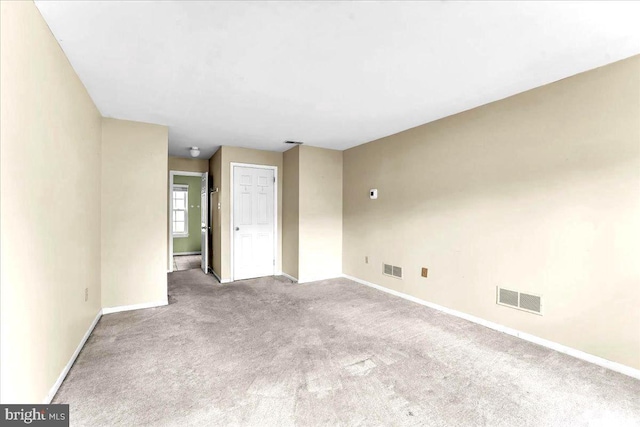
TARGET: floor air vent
(520,300)
(392,270)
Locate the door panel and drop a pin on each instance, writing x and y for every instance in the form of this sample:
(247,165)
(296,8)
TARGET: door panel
(263,217)
(253,222)
(245,208)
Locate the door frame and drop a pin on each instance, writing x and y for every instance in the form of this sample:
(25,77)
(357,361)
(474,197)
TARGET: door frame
(172,173)
(232,165)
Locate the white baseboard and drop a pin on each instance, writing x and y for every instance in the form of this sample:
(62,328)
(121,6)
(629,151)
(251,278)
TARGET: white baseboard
(187,253)
(614,366)
(282,273)
(109,310)
(218,277)
(317,279)
(47,400)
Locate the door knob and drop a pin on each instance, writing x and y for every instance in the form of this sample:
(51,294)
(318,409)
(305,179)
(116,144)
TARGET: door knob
(237,228)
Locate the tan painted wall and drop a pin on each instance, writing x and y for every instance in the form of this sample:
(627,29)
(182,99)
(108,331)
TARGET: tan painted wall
(243,155)
(215,170)
(320,215)
(188,165)
(50,207)
(134,209)
(539,192)
(290,211)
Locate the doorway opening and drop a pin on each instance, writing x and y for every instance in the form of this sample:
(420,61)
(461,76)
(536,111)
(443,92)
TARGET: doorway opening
(189,228)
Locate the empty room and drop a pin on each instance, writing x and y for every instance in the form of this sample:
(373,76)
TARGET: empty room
(320,213)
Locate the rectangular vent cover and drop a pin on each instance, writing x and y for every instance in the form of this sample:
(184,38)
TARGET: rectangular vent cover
(392,270)
(520,300)
(388,269)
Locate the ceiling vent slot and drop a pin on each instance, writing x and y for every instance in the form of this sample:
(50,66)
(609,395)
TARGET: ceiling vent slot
(294,142)
(519,300)
(392,270)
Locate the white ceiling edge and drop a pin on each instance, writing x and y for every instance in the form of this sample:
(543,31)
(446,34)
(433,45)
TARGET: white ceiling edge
(331,74)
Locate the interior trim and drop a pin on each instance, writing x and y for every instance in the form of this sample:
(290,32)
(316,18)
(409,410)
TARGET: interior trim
(282,273)
(47,400)
(218,277)
(109,310)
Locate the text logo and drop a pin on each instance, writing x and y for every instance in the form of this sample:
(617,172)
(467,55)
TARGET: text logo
(35,415)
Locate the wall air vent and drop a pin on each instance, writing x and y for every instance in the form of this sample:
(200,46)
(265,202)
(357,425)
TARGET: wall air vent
(392,270)
(520,300)
(294,142)
(388,269)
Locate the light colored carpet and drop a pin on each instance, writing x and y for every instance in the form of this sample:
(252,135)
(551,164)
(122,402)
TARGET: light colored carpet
(267,352)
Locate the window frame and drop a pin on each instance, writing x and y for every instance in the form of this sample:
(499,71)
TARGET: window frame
(181,188)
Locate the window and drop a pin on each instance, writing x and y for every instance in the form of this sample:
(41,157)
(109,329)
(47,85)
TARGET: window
(180,211)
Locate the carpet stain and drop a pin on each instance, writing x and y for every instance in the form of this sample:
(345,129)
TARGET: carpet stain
(360,368)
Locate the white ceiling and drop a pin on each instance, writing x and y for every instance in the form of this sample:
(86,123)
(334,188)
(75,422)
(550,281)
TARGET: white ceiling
(331,74)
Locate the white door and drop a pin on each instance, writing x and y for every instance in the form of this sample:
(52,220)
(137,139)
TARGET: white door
(253,222)
(204,222)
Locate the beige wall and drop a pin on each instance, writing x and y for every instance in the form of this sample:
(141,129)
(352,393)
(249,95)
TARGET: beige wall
(50,208)
(239,155)
(134,209)
(312,213)
(539,192)
(320,214)
(188,165)
(290,211)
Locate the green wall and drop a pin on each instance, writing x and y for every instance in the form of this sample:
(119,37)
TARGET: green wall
(191,243)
